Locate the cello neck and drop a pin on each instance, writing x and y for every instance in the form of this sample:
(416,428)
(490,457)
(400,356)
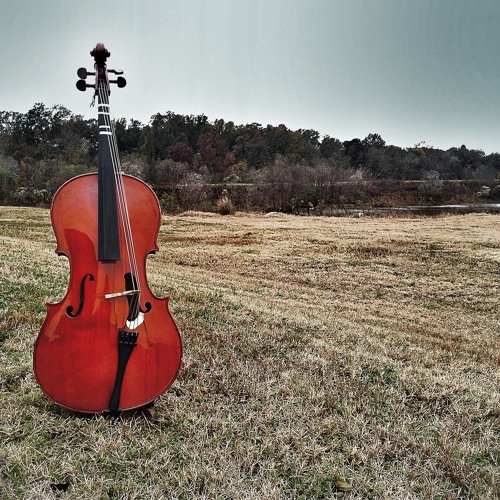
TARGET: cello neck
(109,171)
(108,241)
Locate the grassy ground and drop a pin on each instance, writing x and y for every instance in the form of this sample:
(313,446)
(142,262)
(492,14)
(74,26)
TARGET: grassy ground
(315,350)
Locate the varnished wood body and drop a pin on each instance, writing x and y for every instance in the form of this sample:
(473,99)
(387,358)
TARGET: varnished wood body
(75,358)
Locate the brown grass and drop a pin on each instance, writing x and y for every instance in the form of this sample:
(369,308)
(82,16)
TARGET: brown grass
(315,349)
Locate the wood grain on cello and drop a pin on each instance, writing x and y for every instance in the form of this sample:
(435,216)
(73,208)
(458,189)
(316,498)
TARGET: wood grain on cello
(109,344)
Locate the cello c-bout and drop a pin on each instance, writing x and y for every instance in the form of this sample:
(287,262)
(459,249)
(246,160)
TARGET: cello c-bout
(110,344)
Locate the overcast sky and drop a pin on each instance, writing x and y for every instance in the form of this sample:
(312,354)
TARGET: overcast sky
(410,70)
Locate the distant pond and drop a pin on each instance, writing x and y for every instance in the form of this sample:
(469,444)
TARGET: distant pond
(428,209)
(410,209)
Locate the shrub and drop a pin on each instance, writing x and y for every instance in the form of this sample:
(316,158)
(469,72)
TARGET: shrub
(495,192)
(168,203)
(484,192)
(8,183)
(224,205)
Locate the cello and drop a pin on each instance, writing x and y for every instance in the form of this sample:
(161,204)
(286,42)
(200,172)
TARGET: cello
(110,344)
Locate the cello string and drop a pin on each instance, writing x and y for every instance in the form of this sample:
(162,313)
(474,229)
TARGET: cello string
(125,218)
(103,101)
(123,201)
(121,197)
(116,170)
(124,214)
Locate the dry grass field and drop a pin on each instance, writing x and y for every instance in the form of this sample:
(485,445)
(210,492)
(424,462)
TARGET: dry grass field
(315,350)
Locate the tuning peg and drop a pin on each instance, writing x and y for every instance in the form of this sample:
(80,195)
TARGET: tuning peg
(120,81)
(115,71)
(82,85)
(83,73)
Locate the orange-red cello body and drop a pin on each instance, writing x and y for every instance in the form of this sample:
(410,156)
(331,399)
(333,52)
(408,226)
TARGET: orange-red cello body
(75,358)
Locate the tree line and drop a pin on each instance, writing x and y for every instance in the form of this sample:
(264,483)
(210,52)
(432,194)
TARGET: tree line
(194,163)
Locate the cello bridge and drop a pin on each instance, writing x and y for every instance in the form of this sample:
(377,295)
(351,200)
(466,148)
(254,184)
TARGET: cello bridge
(120,294)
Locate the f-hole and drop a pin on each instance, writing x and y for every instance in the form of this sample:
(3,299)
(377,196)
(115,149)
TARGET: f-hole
(134,308)
(70,309)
